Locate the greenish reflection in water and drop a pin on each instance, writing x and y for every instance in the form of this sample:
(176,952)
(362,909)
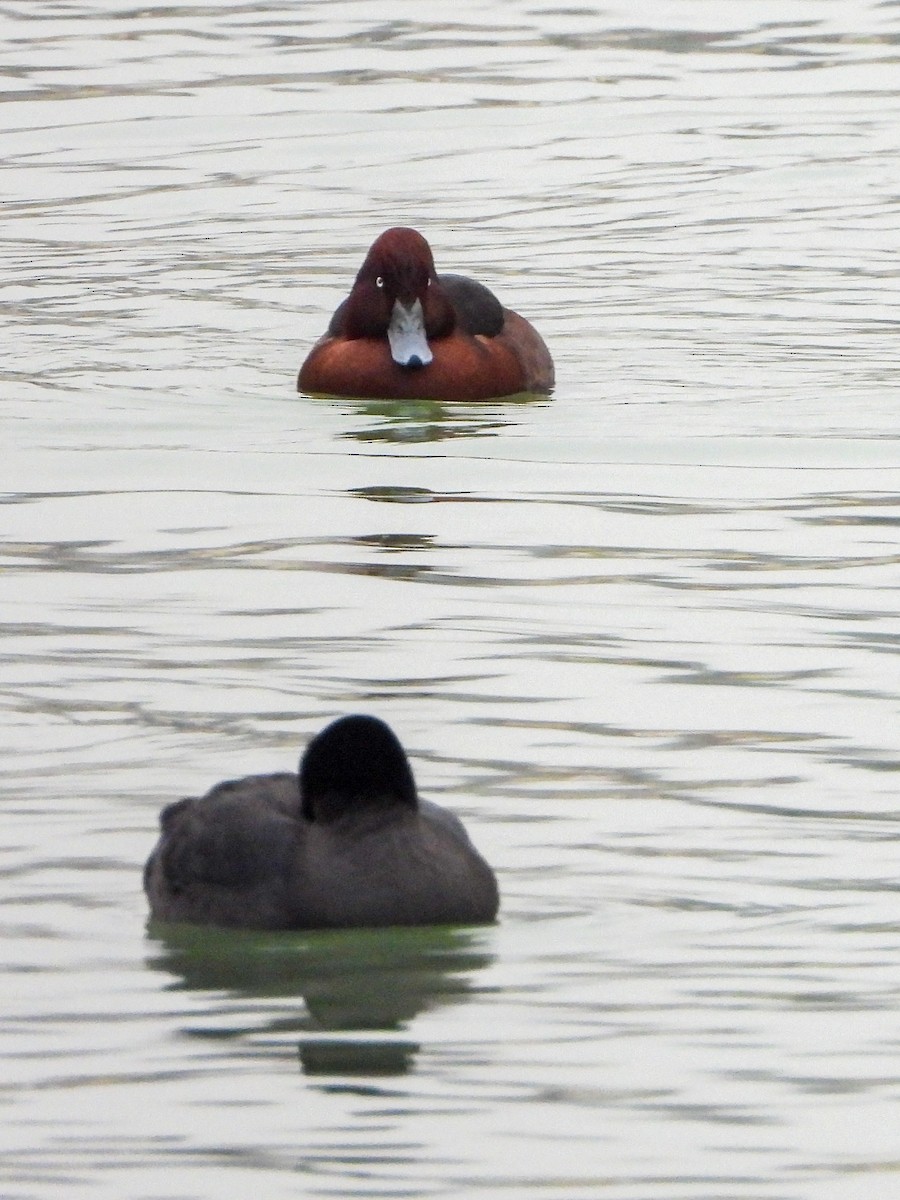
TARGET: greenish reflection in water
(415,421)
(345,982)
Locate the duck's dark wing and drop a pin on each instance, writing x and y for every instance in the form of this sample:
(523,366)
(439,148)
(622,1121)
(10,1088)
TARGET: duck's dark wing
(337,319)
(477,308)
(224,858)
(472,894)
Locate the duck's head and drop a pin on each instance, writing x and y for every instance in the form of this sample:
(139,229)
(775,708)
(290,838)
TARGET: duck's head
(356,762)
(397,295)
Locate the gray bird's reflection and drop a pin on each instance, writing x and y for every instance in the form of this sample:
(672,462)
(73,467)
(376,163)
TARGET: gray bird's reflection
(352,986)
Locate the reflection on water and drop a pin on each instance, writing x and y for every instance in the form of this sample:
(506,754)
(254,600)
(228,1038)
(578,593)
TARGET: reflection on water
(405,421)
(641,635)
(349,981)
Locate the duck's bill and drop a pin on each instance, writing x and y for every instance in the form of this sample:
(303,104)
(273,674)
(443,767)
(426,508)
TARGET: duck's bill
(406,335)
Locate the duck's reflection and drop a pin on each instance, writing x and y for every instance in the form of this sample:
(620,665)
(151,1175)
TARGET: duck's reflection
(409,421)
(354,984)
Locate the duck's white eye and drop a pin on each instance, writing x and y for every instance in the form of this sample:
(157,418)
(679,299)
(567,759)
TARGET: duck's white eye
(379,282)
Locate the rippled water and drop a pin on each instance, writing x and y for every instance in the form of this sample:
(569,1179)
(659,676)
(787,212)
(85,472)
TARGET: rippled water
(643,635)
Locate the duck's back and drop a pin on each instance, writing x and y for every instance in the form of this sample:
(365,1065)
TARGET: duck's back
(407,868)
(245,855)
(226,858)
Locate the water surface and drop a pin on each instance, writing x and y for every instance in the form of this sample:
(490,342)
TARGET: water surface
(641,635)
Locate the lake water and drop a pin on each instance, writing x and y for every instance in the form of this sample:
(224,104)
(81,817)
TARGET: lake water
(643,635)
